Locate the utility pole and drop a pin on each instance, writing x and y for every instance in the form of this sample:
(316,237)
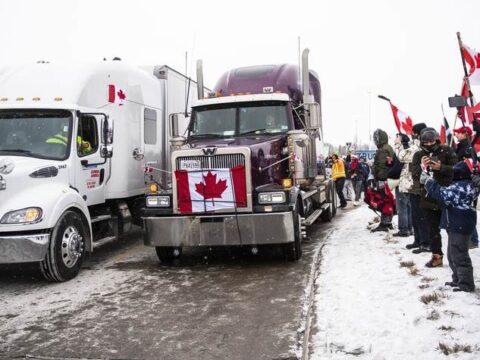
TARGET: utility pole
(369,119)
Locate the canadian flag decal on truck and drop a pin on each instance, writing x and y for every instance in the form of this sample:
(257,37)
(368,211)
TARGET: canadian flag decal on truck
(116,96)
(209,190)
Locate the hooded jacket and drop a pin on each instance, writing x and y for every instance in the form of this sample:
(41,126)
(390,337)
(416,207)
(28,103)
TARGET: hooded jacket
(380,166)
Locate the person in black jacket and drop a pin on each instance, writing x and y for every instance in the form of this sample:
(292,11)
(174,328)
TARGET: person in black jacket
(438,160)
(463,135)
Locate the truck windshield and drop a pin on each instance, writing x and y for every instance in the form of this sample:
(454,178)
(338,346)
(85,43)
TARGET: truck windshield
(238,119)
(37,133)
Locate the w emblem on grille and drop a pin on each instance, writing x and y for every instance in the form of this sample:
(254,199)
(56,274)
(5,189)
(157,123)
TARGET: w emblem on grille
(209,151)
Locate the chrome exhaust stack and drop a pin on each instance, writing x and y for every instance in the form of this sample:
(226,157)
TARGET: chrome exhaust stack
(200,80)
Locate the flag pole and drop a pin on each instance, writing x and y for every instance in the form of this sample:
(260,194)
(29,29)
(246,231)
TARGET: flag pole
(467,80)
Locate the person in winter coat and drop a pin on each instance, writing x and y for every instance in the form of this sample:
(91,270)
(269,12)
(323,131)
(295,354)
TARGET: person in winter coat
(338,176)
(439,159)
(421,241)
(459,218)
(404,154)
(348,191)
(359,178)
(381,165)
(463,135)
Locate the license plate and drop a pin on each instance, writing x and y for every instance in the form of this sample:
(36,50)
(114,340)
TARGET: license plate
(190,165)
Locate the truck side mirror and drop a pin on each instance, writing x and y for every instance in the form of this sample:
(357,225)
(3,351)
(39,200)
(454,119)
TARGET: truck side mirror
(177,119)
(106,150)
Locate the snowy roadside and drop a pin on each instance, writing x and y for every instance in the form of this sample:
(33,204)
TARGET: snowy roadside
(375,300)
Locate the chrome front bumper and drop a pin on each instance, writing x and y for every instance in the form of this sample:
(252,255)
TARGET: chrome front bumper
(23,248)
(218,230)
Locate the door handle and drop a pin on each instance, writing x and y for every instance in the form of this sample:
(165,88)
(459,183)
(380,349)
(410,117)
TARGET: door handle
(102,176)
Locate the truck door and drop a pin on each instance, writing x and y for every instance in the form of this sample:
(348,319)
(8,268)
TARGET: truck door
(91,169)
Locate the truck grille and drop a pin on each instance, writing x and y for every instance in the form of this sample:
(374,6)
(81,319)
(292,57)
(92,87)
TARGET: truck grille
(221,161)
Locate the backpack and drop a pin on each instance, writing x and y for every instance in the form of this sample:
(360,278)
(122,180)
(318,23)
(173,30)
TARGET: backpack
(381,200)
(396,169)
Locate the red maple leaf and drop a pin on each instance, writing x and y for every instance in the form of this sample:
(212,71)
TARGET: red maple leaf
(210,188)
(121,94)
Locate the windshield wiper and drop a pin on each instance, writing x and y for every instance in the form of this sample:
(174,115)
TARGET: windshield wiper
(22,151)
(206,135)
(253,131)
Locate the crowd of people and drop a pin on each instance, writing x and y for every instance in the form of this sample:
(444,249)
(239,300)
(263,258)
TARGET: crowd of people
(435,187)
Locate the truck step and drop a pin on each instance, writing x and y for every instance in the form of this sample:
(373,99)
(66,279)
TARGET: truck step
(309,194)
(101,218)
(100,242)
(314,216)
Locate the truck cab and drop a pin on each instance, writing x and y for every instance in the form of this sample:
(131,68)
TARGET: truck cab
(246,173)
(69,179)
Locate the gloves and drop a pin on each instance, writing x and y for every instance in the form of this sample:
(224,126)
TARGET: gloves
(476,181)
(424,177)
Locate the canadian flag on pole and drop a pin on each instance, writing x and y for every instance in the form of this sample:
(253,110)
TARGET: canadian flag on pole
(402,120)
(116,96)
(208,190)
(472,57)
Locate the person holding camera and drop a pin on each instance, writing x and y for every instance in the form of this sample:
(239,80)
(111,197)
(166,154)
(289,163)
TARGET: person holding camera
(437,160)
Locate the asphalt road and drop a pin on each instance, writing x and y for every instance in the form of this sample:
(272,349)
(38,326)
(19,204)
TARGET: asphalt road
(213,304)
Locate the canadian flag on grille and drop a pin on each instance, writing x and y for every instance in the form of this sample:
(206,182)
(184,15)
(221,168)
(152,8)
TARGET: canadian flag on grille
(208,190)
(472,58)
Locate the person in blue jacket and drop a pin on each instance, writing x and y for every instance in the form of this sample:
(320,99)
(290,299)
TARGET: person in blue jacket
(459,219)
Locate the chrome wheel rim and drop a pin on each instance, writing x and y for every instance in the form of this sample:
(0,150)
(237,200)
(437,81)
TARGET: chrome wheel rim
(72,246)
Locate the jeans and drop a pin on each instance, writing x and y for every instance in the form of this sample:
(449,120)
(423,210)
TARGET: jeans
(358,184)
(404,211)
(433,225)
(339,189)
(348,192)
(459,260)
(420,230)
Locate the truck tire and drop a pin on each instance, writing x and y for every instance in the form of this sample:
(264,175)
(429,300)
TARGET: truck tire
(167,254)
(66,249)
(293,250)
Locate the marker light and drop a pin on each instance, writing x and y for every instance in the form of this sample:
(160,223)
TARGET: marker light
(287,183)
(153,188)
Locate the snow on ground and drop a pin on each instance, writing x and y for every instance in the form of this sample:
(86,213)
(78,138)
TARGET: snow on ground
(367,306)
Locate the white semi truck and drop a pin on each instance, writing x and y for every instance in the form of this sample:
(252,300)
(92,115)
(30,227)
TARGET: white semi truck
(74,142)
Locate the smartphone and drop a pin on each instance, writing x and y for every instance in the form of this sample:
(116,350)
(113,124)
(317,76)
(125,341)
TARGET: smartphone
(434,158)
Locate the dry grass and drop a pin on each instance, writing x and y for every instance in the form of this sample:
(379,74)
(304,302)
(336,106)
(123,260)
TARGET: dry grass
(451,313)
(434,315)
(435,297)
(423,286)
(455,348)
(407,264)
(414,271)
(397,252)
(427,279)
(446,328)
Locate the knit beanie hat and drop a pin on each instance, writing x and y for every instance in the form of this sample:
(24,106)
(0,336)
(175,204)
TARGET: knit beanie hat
(461,171)
(417,128)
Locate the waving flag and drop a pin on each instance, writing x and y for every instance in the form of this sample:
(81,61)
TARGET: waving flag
(210,190)
(445,132)
(472,58)
(402,120)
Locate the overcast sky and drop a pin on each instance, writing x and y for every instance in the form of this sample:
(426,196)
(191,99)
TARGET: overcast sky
(406,50)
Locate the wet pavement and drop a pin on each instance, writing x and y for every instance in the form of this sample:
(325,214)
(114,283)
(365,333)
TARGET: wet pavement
(215,303)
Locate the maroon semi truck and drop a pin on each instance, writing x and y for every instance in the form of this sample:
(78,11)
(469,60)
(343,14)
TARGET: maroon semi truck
(245,174)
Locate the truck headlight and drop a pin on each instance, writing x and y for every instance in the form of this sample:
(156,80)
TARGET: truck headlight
(271,198)
(158,201)
(22,216)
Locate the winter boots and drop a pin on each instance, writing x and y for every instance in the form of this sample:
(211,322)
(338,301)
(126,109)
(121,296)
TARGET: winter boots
(435,261)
